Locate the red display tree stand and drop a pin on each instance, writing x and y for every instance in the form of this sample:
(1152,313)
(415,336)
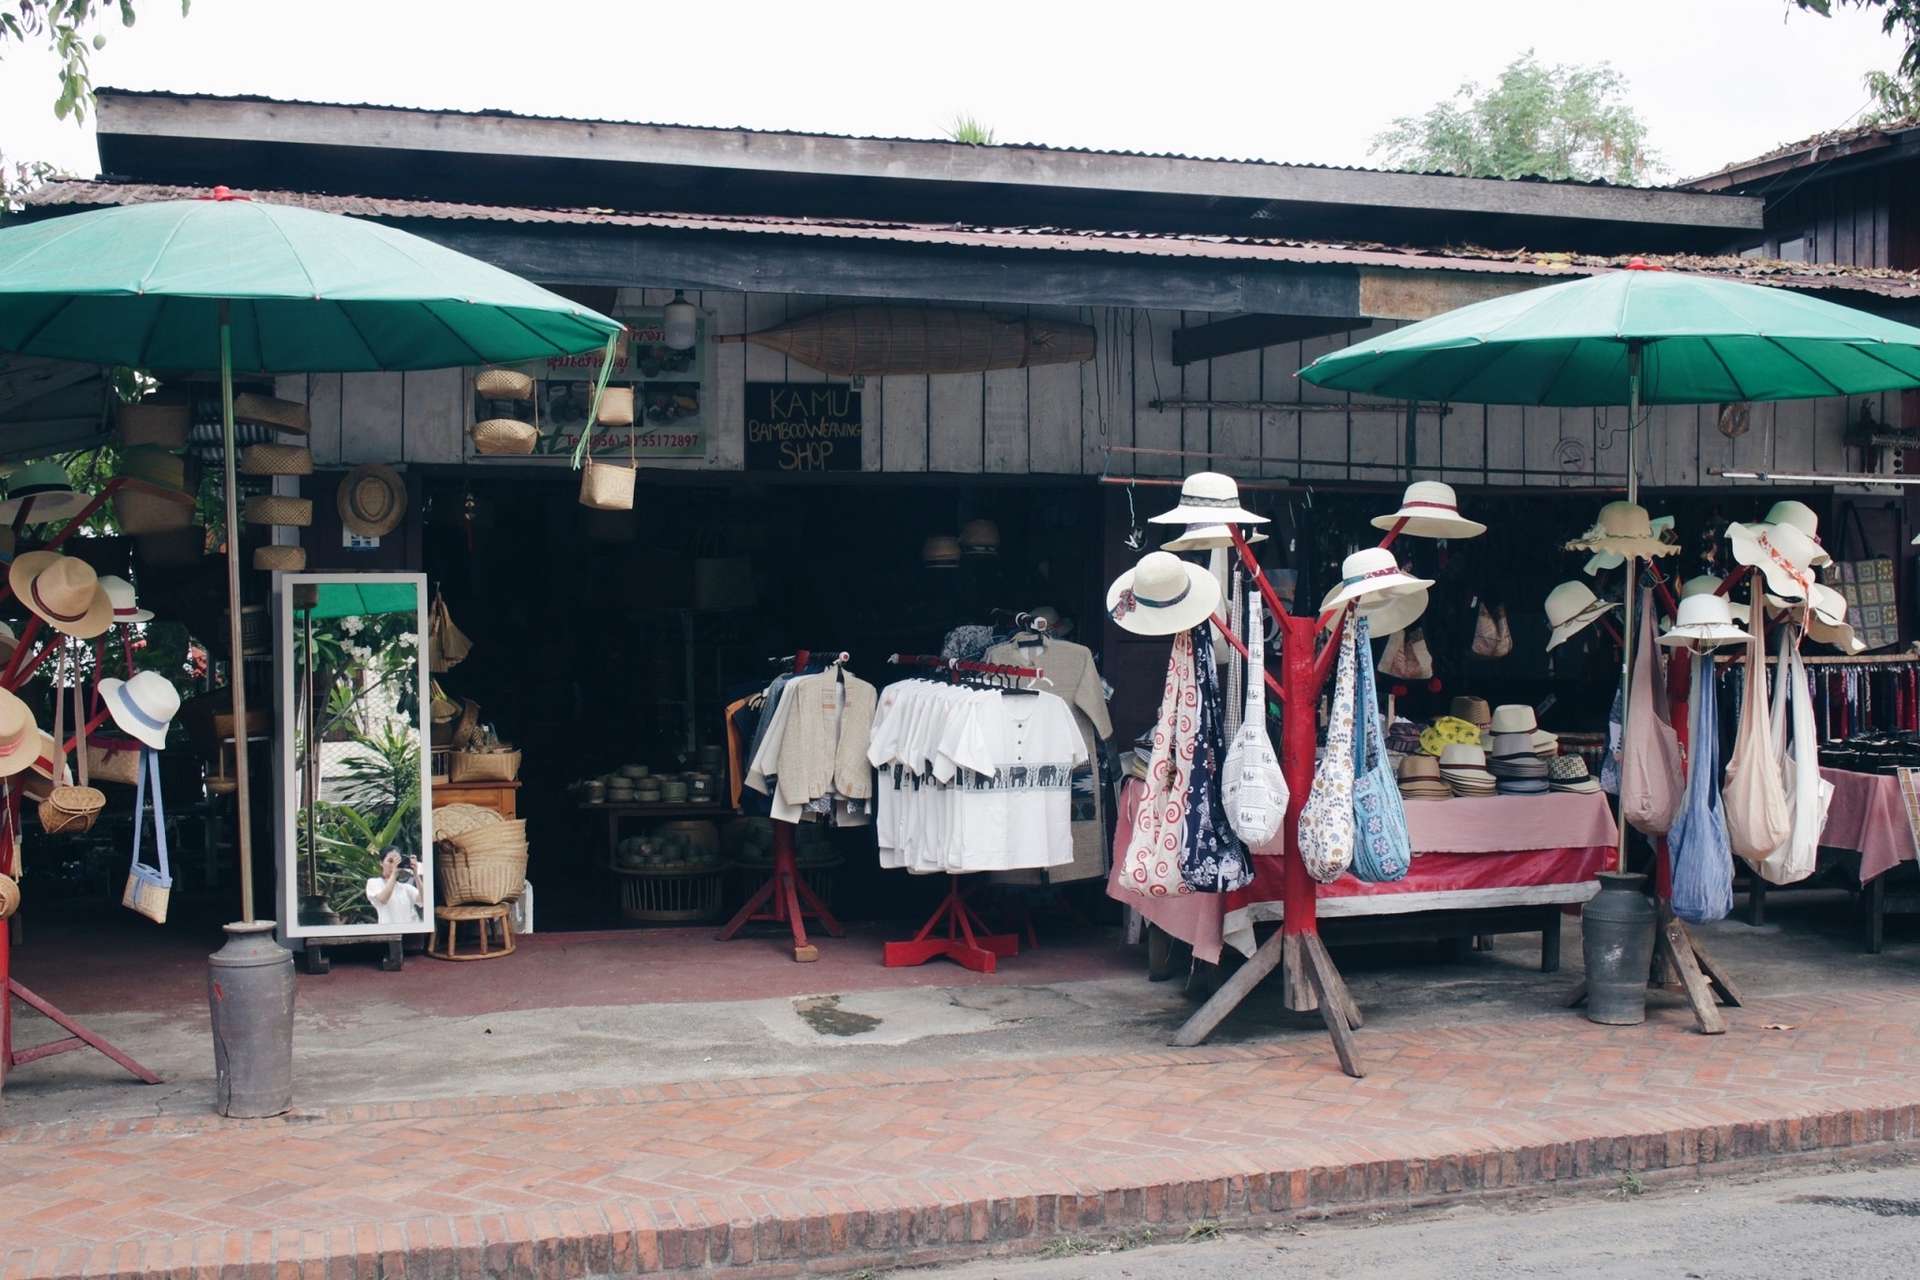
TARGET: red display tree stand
(966,941)
(786,898)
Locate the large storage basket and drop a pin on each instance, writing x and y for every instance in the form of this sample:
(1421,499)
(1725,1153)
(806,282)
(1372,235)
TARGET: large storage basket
(687,893)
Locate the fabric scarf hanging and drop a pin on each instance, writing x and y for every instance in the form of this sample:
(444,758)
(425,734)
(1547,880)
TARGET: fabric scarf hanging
(1698,847)
(1150,864)
(1213,859)
(1382,850)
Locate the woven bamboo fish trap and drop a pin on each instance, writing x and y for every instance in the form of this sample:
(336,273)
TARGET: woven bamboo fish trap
(851,341)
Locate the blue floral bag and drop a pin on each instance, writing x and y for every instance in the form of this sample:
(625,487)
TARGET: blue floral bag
(1382,850)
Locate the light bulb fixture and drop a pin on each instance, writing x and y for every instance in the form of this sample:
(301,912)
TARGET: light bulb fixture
(1811,477)
(678,322)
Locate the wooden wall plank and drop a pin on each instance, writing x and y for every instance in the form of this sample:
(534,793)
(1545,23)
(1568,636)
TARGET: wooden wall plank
(438,403)
(1280,432)
(1323,436)
(1794,424)
(1053,408)
(1194,382)
(1755,449)
(1106,392)
(726,312)
(370,405)
(1234,434)
(903,417)
(1156,378)
(1007,430)
(323,410)
(1610,441)
(1506,444)
(1829,433)
(956,434)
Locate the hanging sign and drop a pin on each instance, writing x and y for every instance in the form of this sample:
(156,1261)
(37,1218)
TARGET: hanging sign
(802,426)
(670,403)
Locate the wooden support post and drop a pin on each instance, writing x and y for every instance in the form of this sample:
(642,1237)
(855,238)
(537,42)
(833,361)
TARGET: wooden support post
(1673,943)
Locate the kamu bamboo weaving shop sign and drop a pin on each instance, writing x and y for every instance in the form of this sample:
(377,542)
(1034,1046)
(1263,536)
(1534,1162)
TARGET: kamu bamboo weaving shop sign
(802,426)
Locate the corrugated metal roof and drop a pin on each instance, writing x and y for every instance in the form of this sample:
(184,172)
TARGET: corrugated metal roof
(1876,280)
(502,113)
(1816,147)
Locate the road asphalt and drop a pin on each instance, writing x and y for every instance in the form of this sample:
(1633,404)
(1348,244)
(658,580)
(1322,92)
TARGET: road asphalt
(1856,1222)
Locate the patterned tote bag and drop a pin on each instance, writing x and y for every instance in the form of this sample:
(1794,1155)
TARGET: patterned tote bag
(1150,865)
(1213,860)
(1326,822)
(1381,848)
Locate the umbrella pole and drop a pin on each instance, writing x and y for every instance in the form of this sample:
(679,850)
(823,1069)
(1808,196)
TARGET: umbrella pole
(1633,575)
(236,664)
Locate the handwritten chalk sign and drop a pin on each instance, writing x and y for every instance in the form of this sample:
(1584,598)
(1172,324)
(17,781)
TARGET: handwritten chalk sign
(802,426)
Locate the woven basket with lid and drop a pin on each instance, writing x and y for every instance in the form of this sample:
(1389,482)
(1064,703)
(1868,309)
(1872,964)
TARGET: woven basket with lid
(281,509)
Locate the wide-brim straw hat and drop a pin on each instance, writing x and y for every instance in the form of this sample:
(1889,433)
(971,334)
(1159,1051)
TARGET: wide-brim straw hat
(19,736)
(52,493)
(1623,529)
(126,605)
(1514,717)
(1207,497)
(1606,561)
(1370,572)
(1802,517)
(1386,615)
(1781,553)
(1707,584)
(1162,596)
(62,592)
(1572,608)
(1431,510)
(372,500)
(1704,622)
(142,707)
(1207,537)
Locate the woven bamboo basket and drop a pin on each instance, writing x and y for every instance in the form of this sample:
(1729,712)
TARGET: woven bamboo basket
(671,894)
(278,559)
(478,878)
(607,487)
(143,511)
(113,760)
(451,820)
(503,384)
(278,508)
(71,809)
(9,896)
(485,766)
(152,422)
(276,460)
(176,548)
(504,436)
(852,341)
(267,411)
(616,407)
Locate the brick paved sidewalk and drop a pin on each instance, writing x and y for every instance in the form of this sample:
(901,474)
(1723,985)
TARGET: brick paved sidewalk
(784,1175)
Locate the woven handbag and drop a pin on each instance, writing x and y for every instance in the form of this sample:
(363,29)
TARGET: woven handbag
(111,759)
(1326,820)
(270,411)
(276,460)
(278,559)
(152,422)
(139,511)
(68,808)
(503,384)
(484,766)
(280,509)
(149,887)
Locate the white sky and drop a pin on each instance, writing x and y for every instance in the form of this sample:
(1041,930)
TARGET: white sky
(1716,80)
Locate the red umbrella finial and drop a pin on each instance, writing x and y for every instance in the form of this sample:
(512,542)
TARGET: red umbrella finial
(225,193)
(1641,264)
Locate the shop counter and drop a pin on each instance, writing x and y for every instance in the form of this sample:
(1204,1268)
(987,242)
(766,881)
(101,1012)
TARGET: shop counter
(501,796)
(1867,835)
(1469,854)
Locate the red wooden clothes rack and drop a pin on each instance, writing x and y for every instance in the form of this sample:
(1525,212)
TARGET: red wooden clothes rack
(792,899)
(955,931)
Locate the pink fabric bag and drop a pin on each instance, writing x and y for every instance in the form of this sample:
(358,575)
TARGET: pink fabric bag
(1755,795)
(1150,865)
(1650,766)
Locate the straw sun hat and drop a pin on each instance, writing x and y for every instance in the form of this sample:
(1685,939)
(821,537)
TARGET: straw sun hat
(1207,497)
(142,707)
(372,499)
(1572,608)
(1704,622)
(1372,577)
(1624,529)
(53,494)
(1207,537)
(1430,510)
(1801,517)
(1782,553)
(1162,595)
(19,738)
(62,592)
(126,607)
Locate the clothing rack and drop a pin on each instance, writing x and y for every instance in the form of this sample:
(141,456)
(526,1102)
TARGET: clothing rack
(962,665)
(1854,660)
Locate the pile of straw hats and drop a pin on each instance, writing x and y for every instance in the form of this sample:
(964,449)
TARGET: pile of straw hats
(1514,759)
(1465,770)
(1420,779)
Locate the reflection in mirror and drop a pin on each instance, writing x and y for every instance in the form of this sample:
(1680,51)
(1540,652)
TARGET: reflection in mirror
(358,777)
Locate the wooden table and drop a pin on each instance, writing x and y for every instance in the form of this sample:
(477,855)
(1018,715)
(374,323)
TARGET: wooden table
(501,797)
(618,813)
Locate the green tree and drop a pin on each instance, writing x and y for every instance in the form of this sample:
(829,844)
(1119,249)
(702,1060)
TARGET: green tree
(1899,18)
(71,29)
(1534,121)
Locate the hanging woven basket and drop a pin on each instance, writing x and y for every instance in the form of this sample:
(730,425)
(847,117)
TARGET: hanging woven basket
(503,384)
(605,486)
(152,422)
(276,460)
(616,407)
(504,436)
(269,411)
(143,511)
(71,809)
(281,509)
(279,559)
(9,896)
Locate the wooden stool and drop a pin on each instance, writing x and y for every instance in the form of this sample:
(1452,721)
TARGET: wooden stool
(448,920)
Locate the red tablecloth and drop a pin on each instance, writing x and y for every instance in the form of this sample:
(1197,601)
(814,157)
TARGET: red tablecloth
(1866,815)
(1464,856)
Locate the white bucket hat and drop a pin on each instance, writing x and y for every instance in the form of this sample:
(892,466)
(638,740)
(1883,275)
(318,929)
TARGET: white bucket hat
(1706,584)
(1207,497)
(1802,517)
(1705,622)
(1607,561)
(1162,595)
(1431,511)
(1207,537)
(126,608)
(1572,608)
(1371,572)
(1782,554)
(1515,717)
(142,707)
(1623,529)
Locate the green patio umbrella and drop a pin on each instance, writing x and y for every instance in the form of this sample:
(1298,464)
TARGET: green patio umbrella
(242,286)
(1637,336)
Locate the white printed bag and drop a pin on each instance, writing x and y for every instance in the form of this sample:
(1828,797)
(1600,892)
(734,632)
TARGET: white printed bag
(1252,787)
(1326,821)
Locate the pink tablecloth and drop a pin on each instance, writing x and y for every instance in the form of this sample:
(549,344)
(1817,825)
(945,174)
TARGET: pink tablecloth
(1491,851)
(1866,815)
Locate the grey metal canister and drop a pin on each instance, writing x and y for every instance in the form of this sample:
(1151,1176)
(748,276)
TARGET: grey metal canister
(250,987)
(1616,939)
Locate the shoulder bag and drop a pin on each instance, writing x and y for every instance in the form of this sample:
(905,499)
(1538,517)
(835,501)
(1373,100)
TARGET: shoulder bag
(1254,787)
(149,888)
(1808,794)
(1650,763)
(1755,794)
(1382,850)
(1701,855)
(1326,821)
(1212,857)
(1150,863)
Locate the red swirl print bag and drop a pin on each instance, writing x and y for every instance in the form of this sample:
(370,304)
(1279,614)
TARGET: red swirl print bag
(1151,863)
